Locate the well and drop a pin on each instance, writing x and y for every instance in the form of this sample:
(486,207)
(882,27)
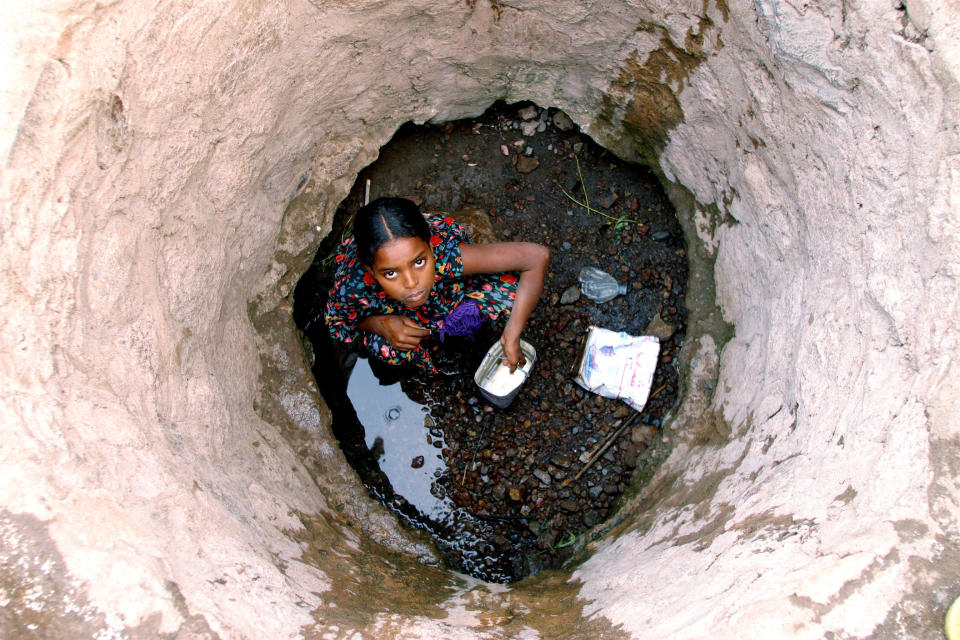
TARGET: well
(167,466)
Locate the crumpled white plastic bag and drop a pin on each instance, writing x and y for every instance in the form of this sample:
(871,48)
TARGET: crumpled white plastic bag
(615,364)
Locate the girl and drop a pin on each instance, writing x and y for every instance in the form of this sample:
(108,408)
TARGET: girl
(402,279)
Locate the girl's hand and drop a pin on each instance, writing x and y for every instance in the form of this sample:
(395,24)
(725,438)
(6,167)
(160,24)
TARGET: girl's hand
(512,352)
(531,261)
(400,331)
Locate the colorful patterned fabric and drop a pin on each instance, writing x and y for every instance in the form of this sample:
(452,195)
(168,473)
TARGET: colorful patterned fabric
(355,295)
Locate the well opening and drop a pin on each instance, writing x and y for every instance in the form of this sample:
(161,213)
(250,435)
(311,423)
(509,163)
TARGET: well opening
(508,492)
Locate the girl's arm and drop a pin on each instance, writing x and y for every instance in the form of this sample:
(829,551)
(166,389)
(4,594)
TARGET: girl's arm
(531,261)
(400,331)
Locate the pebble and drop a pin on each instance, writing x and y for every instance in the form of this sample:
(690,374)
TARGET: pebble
(661,235)
(609,200)
(570,295)
(659,328)
(528,113)
(417,462)
(529,128)
(562,121)
(542,476)
(643,434)
(527,164)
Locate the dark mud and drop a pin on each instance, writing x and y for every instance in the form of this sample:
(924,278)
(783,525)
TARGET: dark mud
(496,487)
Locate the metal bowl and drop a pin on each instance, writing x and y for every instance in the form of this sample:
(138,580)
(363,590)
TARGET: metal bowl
(496,382)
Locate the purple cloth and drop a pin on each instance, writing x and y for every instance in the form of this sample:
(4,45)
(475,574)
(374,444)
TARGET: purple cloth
(463,322)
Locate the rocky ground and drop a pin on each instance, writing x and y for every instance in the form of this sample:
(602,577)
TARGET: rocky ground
(515,503)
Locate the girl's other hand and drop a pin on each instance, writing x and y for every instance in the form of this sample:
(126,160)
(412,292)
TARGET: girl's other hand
(512,352)
(403,333)
(400,331)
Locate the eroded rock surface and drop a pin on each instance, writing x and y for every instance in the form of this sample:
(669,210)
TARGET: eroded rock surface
(169,172)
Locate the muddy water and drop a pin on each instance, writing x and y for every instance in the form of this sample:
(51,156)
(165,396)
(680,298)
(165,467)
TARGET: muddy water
(504,492)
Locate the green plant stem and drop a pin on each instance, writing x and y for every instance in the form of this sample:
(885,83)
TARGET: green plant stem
(586,199)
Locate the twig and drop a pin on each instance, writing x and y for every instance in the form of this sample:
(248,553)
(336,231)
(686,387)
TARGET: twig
(599,452)
(473,463)
(586,200)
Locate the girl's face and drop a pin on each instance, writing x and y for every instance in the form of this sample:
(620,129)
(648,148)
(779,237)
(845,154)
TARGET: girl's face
(404,268)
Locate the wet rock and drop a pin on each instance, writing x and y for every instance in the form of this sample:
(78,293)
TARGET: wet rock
(529,128)
(562,121)
(548,538)
(515,494)
(643,434)
(505,150)
(609,200)
(659,328)
(528,113)
(417,462)
(462,498)
(527,164)
(377,449)
(570,295)
(661,235)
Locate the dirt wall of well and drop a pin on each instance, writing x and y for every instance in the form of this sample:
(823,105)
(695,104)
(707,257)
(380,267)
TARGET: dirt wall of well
(167,466)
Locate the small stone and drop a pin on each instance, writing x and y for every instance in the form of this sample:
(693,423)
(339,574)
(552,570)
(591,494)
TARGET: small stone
(591,517)
(515,493)
(529,128)
(661,235)
(570,506)
(570,295)
(609,200)
(547,538)
(643,434)
(577,147)
(417,462)
(542,476)
(528,113)
(505,150)
(621,411)
(526,164)
(660,329)
(595,491)
(377,449)
(561,461)
(562,121)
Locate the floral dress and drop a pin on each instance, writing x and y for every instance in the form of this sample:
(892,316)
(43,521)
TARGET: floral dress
(355,295)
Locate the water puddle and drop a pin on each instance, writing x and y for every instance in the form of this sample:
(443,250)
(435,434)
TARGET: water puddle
(402,436)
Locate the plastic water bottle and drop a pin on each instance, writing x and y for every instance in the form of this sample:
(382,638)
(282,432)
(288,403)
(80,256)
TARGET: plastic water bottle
(599,285)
